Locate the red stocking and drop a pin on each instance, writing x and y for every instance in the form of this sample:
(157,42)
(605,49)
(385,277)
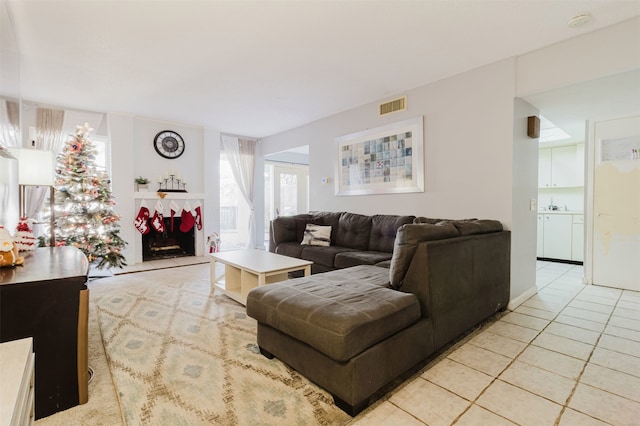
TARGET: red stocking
(174,209)
(158,220)
(198,211)
(187,218)
(141,220)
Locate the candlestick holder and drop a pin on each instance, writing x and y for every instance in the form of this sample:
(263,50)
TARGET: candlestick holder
(172,184)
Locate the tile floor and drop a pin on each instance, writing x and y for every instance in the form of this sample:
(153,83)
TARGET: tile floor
(569,355)
(161,264)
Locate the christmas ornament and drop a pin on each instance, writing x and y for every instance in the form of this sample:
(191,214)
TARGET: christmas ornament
(8,250)
(141,222)
(174,209)
(25,240)
(198,210)
(187,221)
(158,219)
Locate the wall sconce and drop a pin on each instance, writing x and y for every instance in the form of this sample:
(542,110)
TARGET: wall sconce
(35,168)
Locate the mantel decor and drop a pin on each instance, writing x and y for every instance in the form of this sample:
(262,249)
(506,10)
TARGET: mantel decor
(172,183)
(383,160)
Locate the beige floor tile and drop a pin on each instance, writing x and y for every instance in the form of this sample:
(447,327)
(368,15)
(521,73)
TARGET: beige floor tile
(538,381)
(386,414)
(626,313)
(612,381)
(563,345)
(605,406)
(525,320)
(513,331)
(480,359)
(591,306)
(556,295)
(535,312)
(584,314)
(555,362)
(573,418)
(574,333)
(631,296)
(618,344)
(429,403)
(537,303)
(498,344)
(458,378)
(476,416)
(633,305)
(624,332)
(582,323)
(604,292)
(518,405)
(616,361)
(596,299)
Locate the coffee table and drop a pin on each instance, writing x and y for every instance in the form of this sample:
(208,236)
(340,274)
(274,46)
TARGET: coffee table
(250,268)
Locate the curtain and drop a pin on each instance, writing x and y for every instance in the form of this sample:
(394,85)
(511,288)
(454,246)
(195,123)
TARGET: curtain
(48,137)
(242,157)
(10,123)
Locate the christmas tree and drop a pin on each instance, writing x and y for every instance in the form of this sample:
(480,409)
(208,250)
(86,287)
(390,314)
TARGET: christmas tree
(84,205)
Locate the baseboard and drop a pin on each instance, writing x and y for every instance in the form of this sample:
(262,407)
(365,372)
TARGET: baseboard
(514,303)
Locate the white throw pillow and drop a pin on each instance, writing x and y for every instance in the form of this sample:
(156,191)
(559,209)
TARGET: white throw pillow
(316,235)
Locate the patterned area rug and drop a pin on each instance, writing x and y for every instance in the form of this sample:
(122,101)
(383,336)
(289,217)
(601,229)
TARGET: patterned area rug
(182,356)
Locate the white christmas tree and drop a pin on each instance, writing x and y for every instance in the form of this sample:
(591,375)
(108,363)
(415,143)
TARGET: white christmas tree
(84,204)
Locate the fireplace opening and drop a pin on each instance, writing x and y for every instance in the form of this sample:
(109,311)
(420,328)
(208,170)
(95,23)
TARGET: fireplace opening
(168,244)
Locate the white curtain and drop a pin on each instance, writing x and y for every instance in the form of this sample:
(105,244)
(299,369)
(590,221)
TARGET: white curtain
(49,137)
(10,123)
(242,158)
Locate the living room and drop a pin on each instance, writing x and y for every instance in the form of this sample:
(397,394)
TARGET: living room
(478,159)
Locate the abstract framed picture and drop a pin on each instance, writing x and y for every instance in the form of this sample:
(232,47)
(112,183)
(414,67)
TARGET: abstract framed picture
(384,160)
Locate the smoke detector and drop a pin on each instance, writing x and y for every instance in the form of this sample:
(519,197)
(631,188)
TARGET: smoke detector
(579,20)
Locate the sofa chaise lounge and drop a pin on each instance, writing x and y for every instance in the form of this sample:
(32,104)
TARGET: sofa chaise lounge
(354,330)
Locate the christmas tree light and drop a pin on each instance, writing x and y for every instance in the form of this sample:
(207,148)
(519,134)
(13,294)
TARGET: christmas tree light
(84,204)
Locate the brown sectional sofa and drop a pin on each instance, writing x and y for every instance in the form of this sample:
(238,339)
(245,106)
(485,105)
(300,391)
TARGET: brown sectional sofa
(354,330)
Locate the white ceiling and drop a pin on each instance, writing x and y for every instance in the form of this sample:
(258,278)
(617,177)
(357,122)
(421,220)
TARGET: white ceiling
(256,68)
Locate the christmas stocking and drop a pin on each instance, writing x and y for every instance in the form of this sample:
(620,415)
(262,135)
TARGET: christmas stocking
(158,219)
(187,218)
(198,210)
(174,209)
(140,222)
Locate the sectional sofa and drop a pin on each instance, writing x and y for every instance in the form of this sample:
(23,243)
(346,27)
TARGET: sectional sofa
(354,329)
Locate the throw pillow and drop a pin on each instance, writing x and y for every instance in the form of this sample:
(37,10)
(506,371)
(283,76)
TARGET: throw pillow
(316,235)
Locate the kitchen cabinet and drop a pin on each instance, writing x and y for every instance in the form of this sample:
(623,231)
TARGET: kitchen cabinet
(561,167)
(557,236)
(560,236)
(577,238)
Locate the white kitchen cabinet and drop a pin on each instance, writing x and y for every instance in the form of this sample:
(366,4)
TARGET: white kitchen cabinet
(557,236)
(560,167)
(540,239)
(577,238)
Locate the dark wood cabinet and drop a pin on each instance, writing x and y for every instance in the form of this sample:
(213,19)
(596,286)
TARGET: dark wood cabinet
(47,299)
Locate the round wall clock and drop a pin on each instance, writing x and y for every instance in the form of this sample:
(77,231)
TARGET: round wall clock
(169,144)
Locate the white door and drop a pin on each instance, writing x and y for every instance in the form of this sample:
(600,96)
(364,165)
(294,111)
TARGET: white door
(616,203)
(290,190)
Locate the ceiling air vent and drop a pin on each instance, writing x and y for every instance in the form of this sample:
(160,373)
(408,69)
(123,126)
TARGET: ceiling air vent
(399,104)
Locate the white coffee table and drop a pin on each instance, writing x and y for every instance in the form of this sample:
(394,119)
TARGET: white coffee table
(250,268)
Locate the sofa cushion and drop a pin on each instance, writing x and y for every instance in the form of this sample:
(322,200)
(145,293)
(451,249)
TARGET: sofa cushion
(322,255)
(301,226)
(478,226)
(339,313)
(291,249)
(328,219)
(355,258)
(317,235)
(383,231)
(353,231)
(407,240)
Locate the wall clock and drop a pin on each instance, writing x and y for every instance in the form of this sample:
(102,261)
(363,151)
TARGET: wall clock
(169,144)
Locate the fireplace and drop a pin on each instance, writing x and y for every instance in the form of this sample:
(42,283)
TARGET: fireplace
(168,244)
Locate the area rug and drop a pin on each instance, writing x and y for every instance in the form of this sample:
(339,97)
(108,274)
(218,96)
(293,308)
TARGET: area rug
(180,355)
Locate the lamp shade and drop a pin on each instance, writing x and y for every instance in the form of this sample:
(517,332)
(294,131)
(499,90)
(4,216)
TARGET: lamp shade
(35,166)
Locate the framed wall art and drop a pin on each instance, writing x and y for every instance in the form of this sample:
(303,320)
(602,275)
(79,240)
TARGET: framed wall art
(384,160)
